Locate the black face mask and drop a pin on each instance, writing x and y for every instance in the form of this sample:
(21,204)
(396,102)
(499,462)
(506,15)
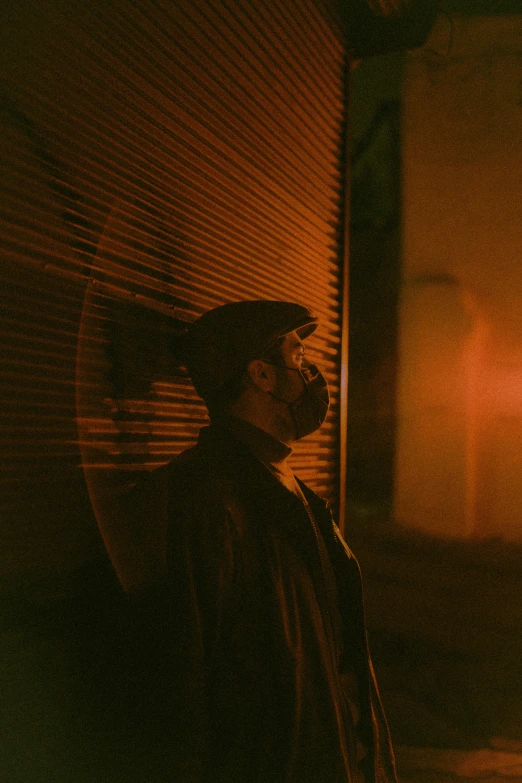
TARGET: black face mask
(309,410)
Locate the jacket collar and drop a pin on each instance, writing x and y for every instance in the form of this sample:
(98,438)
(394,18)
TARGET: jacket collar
(256,480)
(262,445)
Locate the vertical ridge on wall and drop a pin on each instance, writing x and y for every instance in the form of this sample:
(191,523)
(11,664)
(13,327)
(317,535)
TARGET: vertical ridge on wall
(161,159)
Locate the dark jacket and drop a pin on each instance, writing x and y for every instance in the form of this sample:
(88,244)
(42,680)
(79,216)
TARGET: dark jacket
(247,637)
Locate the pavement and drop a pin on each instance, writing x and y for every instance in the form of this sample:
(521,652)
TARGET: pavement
(499,763)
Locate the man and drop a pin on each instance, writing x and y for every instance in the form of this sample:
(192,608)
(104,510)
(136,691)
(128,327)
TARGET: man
(257,660)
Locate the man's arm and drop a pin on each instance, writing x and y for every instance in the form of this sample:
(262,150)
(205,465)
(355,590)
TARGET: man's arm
(175,624)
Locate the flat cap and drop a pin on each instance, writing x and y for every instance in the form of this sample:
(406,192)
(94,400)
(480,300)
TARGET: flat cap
(221,343)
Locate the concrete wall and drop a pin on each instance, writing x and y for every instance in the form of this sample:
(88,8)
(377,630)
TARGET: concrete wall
(444,619)
(459,447)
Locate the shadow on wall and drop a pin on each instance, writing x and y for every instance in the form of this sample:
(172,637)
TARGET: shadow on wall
(57,678)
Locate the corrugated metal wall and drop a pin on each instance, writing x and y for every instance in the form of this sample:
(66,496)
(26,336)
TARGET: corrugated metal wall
(158,159)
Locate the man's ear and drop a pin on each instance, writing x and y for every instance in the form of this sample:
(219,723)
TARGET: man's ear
(261,374)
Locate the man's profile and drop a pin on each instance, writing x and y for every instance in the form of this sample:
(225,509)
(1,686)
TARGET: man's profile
(257,665)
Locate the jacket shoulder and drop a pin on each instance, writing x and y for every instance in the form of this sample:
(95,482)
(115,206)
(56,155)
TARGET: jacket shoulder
(201,496)
(195,474)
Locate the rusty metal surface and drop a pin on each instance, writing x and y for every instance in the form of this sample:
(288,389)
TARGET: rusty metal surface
(160,159)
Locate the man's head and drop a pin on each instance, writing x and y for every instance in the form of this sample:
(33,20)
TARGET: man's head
(247,359)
